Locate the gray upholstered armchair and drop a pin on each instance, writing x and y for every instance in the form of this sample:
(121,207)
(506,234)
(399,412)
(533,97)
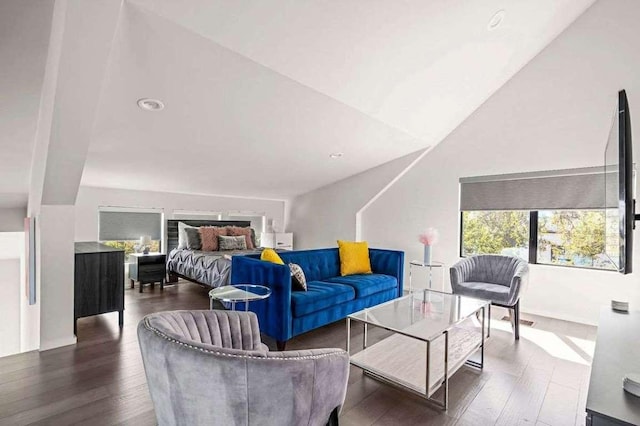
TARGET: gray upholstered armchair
(210,368)
(500,279)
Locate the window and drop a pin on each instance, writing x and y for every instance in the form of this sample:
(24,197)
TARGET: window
(553,217)
(196,215)
(560,237)
(122,228)
(257,222)
(572,238)
(495,232)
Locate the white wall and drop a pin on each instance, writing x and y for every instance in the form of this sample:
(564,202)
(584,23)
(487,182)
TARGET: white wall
(327,214)
(11,289)
(12,219)
(555,113)
(91,198)
(55,260)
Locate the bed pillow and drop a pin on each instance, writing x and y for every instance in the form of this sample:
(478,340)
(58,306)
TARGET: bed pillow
(209,237)
(182,236)
(237,242)
(193,238)
(298,280)
(245,232)
(354,257)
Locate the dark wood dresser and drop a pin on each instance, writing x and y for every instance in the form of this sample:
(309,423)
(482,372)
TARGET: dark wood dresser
(99,280)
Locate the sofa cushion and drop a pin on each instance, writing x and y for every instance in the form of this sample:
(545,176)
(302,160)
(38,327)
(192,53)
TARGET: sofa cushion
(367,284)
(319,295)
(493,292)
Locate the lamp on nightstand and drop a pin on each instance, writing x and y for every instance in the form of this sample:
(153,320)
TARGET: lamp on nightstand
(145,244)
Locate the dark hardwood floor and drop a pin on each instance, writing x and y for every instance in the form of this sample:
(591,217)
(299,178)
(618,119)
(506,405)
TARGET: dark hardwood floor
(540,380)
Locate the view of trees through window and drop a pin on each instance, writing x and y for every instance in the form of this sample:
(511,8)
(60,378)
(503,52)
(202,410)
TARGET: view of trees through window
(564,237)
(496,232)
(572,237)
(129,246)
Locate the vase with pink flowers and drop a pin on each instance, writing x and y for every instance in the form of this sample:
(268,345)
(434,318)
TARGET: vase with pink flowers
(428,238)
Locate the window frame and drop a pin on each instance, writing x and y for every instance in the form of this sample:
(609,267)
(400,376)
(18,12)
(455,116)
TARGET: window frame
(122,209)
(533,243)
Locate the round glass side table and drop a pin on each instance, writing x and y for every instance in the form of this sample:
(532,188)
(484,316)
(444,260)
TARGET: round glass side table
(239,293)
(430,272)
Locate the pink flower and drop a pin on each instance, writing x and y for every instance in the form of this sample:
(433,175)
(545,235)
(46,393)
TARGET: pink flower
(429,237)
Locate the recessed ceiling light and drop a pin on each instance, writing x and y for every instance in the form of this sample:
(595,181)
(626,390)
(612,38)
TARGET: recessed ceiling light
(148,104)
(496,20)
(336,155)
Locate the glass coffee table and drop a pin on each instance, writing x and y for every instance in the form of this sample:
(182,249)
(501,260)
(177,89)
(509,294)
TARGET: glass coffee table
(433,336)
(239,293)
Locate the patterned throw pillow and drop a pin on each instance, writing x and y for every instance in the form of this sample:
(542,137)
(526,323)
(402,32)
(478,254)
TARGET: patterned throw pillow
(209,236)
(297,277)
(246,232)
(232,243)
(193,238)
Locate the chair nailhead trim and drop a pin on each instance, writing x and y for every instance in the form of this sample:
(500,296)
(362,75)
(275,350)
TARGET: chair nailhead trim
(172,340)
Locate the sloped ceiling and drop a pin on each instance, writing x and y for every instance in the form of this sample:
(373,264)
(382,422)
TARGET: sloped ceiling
(258,94)
(24,38)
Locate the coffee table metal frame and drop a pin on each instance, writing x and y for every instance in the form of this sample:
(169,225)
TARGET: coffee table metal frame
(444,403)
(236,293)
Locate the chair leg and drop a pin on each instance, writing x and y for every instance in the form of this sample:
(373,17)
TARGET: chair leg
(516,314)
(281,344)
(333,418)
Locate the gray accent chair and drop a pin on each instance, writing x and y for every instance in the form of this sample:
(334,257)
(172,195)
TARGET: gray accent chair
(210,368)
(499,279)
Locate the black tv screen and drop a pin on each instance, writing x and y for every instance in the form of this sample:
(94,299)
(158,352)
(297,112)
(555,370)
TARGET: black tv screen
(620,188)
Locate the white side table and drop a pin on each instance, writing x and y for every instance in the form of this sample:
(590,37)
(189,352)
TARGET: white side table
(277,240)
(430,267)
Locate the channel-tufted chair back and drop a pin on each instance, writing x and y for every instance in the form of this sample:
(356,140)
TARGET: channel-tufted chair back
(211,368)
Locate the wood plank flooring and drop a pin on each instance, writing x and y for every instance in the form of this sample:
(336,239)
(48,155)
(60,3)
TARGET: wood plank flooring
(540,380)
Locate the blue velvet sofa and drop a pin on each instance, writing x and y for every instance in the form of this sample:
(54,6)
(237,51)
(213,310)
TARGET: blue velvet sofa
(329,296)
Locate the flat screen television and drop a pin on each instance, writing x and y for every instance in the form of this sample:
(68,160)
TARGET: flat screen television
(620,189)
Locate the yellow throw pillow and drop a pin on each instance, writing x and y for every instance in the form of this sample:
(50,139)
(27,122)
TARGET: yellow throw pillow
(354,258)
(270,255)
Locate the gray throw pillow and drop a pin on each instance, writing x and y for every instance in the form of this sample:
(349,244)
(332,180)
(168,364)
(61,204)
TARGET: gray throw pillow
(297,277)
(193,238)
(232,243)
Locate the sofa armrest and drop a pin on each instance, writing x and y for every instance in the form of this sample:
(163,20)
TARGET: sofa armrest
(388,262)
(274,313)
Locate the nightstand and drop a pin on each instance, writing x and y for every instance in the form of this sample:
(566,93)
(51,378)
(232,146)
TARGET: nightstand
(147,268)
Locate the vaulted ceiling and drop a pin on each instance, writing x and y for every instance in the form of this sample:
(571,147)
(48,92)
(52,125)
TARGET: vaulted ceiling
(259,94)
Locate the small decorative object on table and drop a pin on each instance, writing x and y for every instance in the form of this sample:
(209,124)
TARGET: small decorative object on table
(429,237)
(145,244)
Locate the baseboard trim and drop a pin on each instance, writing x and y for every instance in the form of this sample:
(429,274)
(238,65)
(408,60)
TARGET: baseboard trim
(562,317)
(58,343)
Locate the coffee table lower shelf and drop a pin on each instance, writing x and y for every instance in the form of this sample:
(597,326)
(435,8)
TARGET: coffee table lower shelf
(409,363)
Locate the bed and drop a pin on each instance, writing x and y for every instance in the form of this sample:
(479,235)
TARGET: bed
(207,268)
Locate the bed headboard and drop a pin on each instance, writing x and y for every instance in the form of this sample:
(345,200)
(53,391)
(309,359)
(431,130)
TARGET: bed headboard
(172,228)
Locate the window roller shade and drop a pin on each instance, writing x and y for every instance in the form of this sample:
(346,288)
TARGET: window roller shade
(128,226)
(556,190)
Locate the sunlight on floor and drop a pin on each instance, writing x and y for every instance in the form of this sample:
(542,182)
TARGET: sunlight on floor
(557,345)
